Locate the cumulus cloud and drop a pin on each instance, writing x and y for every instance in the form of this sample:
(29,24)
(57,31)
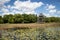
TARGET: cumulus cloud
(4,1)
(51,8)
(27,4)
(27,7)
(21,7)
(52,11)
(47,15)
(58,12)
(5,10)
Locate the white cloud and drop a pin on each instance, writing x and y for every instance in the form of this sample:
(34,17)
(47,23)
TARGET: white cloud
(32,12)
(58,12)
(27,4)
(52,11)
(8,6)
(49,7)
(27,7)
(5,10)
(47,15)
(4,1)
(22,7)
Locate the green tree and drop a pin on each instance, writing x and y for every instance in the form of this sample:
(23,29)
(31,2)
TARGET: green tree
(5,18)
(25,17)
(29,18)
(8,18)
(1,19)
(47,20)
(32,18)
(11,18)
(52,19)
(18,18)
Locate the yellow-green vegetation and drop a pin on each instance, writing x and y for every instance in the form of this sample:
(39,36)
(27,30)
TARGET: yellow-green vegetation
(46,33)
(29,25)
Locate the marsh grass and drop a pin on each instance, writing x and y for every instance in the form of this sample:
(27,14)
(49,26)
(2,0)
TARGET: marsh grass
(46,33)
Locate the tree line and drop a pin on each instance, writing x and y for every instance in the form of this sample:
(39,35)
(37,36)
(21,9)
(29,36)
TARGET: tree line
(25,18)
(18,18)
(52,19)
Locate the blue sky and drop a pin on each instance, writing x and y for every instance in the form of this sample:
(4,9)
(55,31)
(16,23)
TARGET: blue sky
(47,7)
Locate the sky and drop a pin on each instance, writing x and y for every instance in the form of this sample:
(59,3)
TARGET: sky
(47,7)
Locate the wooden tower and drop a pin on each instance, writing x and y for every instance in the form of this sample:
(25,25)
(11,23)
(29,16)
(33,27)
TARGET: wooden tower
(40,18)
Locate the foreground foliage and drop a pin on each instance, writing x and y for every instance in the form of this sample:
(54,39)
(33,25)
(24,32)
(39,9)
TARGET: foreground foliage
(50,33)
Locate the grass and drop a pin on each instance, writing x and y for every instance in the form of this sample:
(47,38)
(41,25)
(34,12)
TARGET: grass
(31,25)
(32,31)
(49,33)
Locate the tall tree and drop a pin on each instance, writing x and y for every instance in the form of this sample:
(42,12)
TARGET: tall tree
(8,18)
(18,18)
(1,19)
